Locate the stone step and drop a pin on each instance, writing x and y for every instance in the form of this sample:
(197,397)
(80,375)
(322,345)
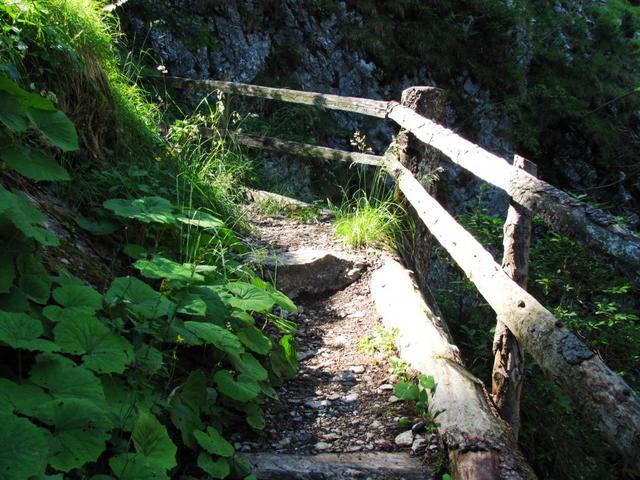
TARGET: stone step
(339,466)
(313,271)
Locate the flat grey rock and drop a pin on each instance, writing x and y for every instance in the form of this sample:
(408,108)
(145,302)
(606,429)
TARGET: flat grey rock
(339,466)
(314,271)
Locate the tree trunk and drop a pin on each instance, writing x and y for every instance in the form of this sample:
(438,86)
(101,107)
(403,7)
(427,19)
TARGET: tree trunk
(508,365)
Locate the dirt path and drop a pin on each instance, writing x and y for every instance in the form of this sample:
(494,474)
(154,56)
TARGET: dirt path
(342,399)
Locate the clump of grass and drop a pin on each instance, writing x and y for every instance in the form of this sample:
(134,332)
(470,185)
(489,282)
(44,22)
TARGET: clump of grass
(371,217)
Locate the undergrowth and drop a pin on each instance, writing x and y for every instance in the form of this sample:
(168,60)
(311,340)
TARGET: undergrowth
(593,301)
(146,379)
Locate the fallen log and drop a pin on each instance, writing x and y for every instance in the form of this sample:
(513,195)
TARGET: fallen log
(479,443)
(589,226)
(597,392)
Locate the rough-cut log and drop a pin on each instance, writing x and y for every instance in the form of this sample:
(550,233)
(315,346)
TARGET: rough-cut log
(289,204)
(423,161)
(598,393)
(479,443)
(306,150)
(364,106)
(589,226)
(508,363)
(338,466)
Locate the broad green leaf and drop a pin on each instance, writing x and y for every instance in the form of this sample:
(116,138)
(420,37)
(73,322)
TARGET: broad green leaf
(191,304)
(28,218)
(80,432)
(26,98)
(14,301)
(427,381)
(200,219)
(6,198)
(186,404)
(135,251)
(151,440)
(24,448)
(284,302)
(255,416)
(243,389)
(24,398)
(214,443)
(145,209)
(218,469)
(218,336)
(7,272)
(217,308)
(255,340)
(22,331)
(242,318)
(160,267)
(247,363)
(249,297)
(240,466)
(34,278)
(58,314)
(78,296)
(96,227)
(56,127)
(124,402)
(284,358)
(148,359)
(102,350)
(12,113)
(139,297)
(34,164)
(63,379)
(132,466)
(406,391)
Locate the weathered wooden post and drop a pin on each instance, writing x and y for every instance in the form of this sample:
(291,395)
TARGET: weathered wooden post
(508,365)
(423,161)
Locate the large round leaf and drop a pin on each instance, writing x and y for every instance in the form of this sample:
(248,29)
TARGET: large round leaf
(243,389)
(34,278)
(63,379)
(56,127)
(27,218)
(249,297)
(12,113)
(200,219)
(160,267)
(23,398)
(24,448)
(218,336)
(80,431)
(247,363)
(257,341)
(145,209)
(214,443)
(218,469)
(133,466)
(151,440)
(22,331)
(34,164)
(139,297)
(103,350)
(78,296)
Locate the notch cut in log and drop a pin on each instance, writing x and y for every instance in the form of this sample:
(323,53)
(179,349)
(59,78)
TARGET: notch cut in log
(364,106)
(479,443)
(306,150)
(508,364)
(597,392)
(591,227)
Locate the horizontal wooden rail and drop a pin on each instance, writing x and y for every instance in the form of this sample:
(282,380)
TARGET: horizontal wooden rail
(306,150)
(364,106)
(598,392)
(589,226)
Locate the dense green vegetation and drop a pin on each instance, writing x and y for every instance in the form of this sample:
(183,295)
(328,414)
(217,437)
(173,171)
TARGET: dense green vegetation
(144,373)
(565,74)
(594,301)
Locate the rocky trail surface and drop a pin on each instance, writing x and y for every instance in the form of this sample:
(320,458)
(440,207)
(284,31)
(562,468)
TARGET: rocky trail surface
(338,418)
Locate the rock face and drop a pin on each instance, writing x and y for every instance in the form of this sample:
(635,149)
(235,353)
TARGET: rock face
(313,271)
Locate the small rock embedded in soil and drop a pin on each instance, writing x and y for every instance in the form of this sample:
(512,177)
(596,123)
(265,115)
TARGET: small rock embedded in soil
(357,369)
(322,446)
(405,439)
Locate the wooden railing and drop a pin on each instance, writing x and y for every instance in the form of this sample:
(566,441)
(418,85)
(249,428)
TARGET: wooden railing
(599,394)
